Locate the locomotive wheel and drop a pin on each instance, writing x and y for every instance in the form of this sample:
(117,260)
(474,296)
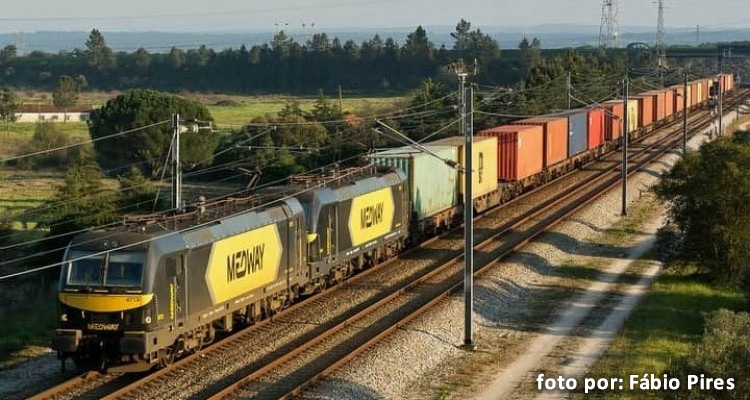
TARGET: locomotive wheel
(167,358)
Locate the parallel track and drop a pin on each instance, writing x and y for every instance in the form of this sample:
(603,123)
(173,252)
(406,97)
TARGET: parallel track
(140,388)
(292,373)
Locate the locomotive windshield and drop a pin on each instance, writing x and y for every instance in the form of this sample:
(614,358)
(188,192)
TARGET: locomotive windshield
(116,269)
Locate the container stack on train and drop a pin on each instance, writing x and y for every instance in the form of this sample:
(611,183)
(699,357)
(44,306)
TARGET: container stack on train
(356,220)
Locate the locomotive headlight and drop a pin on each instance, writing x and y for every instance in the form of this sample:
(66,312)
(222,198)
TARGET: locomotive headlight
(64,317)
(147,319)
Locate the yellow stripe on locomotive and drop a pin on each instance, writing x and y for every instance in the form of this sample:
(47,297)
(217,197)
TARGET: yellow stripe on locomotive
(371,216)
(242,263)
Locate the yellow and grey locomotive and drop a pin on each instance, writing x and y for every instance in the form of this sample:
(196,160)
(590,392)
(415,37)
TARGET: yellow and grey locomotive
(134,298)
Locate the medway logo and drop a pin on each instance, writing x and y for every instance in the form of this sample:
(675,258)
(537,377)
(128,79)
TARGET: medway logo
(245,262)
(371,215)
(102,327)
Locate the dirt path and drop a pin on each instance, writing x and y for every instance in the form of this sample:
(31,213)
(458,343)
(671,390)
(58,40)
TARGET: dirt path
(594,346)
(555,333)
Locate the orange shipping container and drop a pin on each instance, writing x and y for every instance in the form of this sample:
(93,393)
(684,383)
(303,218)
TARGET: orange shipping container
(679,93)
(645,109)
(669,102)
(555,143)
(659,106)
(615,110)
(519,150)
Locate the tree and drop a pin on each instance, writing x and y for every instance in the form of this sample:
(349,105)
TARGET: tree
(139,108)
(724,351)
(8,54)
(100,56)
(142,59)
(47,135)
(530,55)
(461,36)
(66,92)
(418,46)
(137,193)
(176,58)
(82,202)
(8,107)
(708,194)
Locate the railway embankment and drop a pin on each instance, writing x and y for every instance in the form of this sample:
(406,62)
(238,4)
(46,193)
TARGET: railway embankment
(518,302)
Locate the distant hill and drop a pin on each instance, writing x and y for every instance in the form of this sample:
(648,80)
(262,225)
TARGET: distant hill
(551,36)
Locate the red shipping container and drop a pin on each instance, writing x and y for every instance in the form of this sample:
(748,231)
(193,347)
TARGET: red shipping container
(519,150)
(614,112)
(596,128)
(645,109)
(555,144)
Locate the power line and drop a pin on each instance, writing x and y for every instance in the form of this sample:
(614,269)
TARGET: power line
(68,146)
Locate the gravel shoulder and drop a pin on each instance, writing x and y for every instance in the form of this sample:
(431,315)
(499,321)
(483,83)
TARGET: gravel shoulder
(514,301)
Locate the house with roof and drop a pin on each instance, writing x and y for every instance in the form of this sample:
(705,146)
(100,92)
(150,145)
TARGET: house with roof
(51,113)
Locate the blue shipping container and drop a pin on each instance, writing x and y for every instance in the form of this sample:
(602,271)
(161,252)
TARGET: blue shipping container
(578,132)
(433,184)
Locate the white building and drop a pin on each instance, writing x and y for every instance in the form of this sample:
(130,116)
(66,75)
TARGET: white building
(50,113)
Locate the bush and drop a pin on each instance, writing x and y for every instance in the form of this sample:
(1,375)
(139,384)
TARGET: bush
(724,352)
(46,136)
(139,108)
(709,198)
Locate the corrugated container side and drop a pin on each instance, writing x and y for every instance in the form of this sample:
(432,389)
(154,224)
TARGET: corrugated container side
(693,94)
(661,105)
(645,109)
(679,99)
(632,116)
(669,102)
(689,95)
(555,137)
(484,160)
(596,128)
(519,151)
(699,87)
(433,185)
(578,135)
(612,125)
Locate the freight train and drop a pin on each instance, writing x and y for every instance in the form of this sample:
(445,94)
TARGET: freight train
(141,295)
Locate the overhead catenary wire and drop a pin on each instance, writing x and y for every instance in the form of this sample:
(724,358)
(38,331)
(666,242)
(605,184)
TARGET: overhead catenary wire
(42,268)
(180,231)
(68,146)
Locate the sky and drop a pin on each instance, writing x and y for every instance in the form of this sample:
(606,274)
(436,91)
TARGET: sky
(255,15)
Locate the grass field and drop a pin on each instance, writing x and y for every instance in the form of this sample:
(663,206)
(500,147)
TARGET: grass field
(243,109)
(16,135)
(665,327)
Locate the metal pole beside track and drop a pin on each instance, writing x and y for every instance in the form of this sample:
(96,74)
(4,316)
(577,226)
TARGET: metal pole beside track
(176,168)
(466,96)
(625,134)
(684,115)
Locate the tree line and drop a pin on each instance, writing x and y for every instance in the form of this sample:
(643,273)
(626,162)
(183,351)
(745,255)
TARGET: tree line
(284,65)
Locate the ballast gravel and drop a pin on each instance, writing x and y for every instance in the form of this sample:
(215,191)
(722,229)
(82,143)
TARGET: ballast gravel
(429,347)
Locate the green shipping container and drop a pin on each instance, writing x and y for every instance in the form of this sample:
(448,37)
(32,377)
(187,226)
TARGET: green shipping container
(433,184)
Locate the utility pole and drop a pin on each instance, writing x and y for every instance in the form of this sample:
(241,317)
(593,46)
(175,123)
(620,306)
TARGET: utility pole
(684,115)
(721,107)
(625,134)
(176,168)
(569,88)
(467,128)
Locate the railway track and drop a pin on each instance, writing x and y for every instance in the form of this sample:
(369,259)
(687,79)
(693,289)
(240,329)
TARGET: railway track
(291,374)
(524,209)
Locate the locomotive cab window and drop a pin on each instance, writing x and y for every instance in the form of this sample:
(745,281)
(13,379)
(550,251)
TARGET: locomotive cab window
(117,269)
(124,269)
(85,271)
